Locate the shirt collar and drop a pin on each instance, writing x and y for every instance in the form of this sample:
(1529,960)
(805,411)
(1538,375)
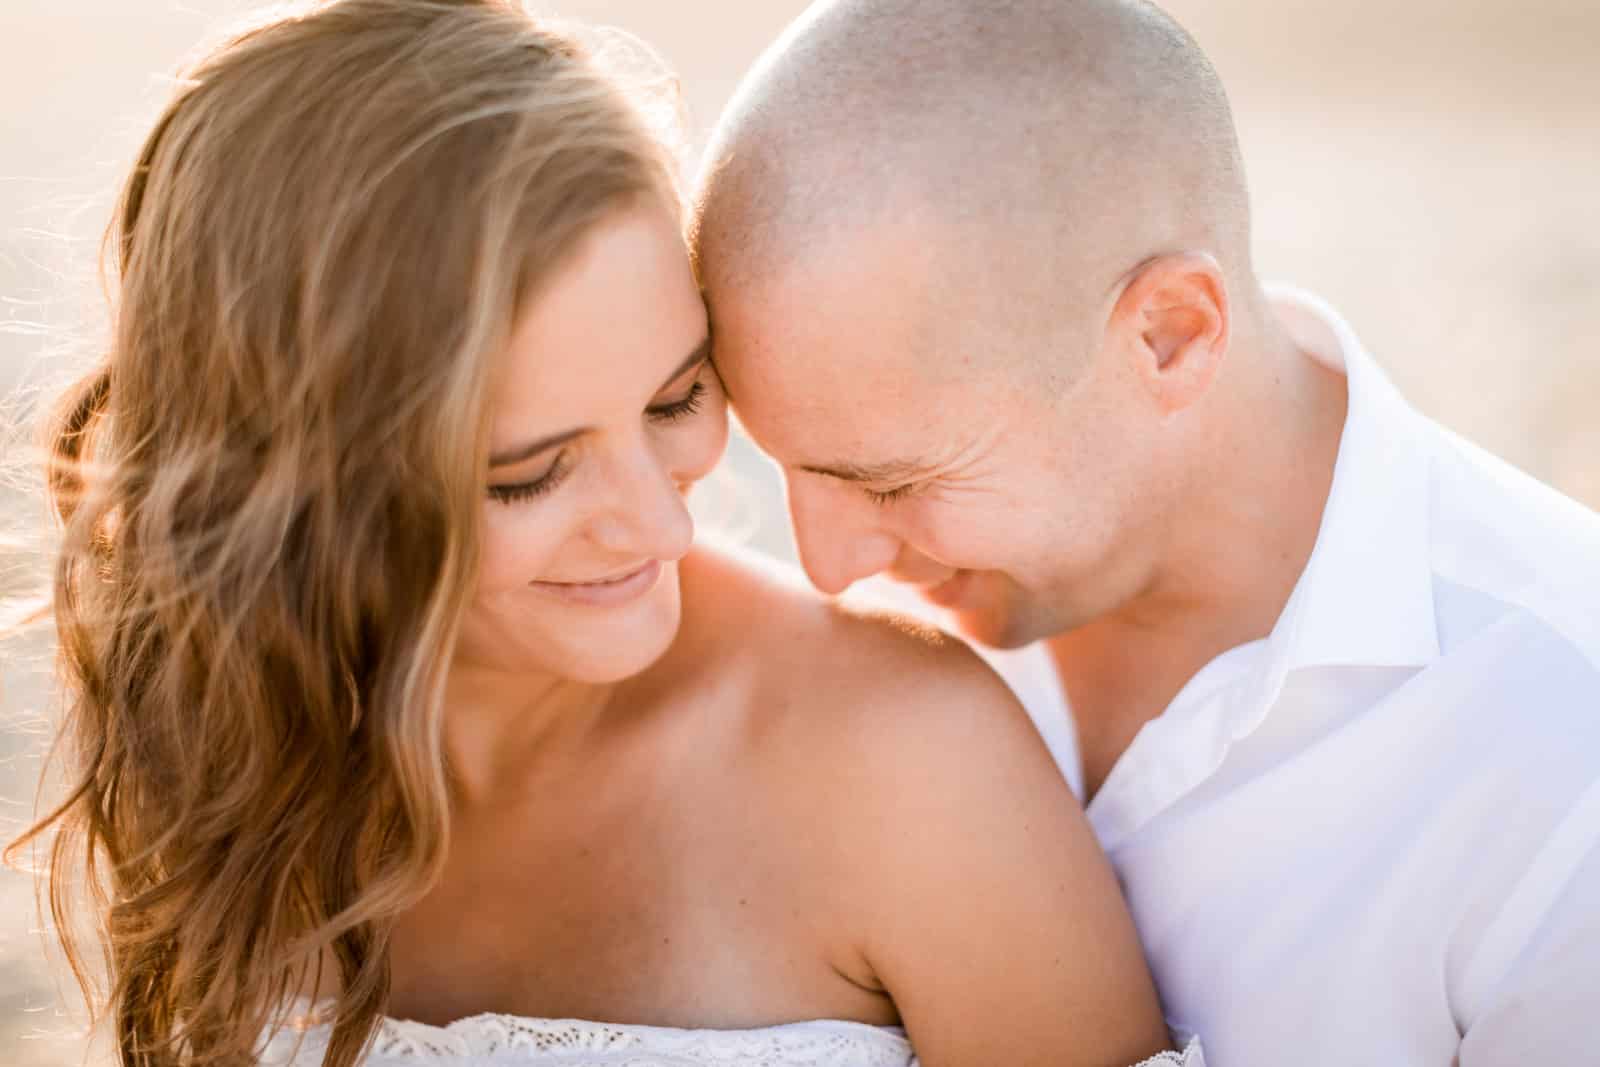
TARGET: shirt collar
(1366,595)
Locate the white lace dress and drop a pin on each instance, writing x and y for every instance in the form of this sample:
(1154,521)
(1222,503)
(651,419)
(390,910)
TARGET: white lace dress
(492,1040)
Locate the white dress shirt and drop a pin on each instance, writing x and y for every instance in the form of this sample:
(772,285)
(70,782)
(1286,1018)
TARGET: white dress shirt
(1374,836)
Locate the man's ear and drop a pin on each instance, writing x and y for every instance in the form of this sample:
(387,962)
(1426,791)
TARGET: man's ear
(1174,320)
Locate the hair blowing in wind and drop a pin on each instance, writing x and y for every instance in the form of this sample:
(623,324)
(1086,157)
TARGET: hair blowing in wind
(270,489)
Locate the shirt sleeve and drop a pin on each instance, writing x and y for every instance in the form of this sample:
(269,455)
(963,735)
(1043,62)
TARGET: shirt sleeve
(1537,975)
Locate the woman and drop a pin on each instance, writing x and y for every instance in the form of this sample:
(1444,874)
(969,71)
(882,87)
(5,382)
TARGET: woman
(397,689)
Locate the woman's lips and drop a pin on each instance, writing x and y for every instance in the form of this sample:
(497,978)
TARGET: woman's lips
(607,593)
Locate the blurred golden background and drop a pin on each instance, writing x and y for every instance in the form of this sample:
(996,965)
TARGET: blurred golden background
(1430,166)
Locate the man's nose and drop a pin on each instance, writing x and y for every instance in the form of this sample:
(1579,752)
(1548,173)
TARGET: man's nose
(840,539)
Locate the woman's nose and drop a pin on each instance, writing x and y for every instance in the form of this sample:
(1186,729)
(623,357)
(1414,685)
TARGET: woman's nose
(645,515)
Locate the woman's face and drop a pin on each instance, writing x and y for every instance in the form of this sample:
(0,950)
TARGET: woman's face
(608,411)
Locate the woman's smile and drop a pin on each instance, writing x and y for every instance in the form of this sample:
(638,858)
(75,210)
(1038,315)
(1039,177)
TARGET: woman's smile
(612,591)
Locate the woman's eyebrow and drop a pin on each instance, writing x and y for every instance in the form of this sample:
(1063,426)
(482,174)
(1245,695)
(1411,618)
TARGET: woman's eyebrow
(701,353)
(520,453)
(525,452)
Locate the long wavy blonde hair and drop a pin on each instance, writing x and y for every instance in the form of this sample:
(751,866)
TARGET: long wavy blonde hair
(270,492)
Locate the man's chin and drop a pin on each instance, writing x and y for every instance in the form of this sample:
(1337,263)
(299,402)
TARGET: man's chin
(970,605)
(988,621)
(988,630)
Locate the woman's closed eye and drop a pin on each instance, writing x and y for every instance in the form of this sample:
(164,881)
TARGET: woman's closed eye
(682,408)
(553,476)
(690,399)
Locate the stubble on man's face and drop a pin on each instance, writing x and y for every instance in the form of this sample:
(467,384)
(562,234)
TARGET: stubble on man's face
(859,365)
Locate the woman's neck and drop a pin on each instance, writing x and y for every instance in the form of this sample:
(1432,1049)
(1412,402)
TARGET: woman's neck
(499,725)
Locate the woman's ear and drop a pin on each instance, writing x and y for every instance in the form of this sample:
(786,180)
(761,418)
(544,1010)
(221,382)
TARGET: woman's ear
(1173,320)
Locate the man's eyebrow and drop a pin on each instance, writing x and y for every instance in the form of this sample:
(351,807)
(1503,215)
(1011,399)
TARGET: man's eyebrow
(521,453)
(871,473)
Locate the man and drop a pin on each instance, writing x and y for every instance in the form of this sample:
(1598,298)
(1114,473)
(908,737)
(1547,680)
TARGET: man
(980,280)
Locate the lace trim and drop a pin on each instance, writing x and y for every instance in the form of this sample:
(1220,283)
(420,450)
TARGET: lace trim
(1191,1056)
(509,1039)
(572,1043)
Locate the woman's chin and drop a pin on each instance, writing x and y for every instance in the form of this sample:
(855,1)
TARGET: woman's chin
(590,643)
(615,658)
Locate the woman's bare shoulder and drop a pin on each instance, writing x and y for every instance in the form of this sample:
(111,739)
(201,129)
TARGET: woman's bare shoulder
(855,686)
(745,605)
(974,887)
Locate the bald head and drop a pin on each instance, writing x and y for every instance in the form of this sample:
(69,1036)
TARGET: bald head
(973,271)
(1040,148)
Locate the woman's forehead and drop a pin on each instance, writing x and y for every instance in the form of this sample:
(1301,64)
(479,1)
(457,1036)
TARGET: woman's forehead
(618,318)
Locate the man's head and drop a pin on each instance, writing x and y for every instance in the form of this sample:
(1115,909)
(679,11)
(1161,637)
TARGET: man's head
(969,269)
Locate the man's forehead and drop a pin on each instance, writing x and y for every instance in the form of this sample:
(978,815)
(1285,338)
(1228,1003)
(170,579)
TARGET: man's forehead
(857,426)
(825,351)
(868,294)
(838,389)
(839,363)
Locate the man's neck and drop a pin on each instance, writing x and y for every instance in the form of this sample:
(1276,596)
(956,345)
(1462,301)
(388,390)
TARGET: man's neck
(1245,532)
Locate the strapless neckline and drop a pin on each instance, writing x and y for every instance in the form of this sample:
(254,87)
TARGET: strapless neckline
(491,1040)
(511,1039)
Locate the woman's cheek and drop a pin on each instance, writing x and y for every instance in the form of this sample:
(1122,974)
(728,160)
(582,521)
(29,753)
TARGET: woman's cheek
(519,543)
(704,442)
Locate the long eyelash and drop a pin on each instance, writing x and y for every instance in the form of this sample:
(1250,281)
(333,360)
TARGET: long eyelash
(680,409)
(512,494)
(886,497)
